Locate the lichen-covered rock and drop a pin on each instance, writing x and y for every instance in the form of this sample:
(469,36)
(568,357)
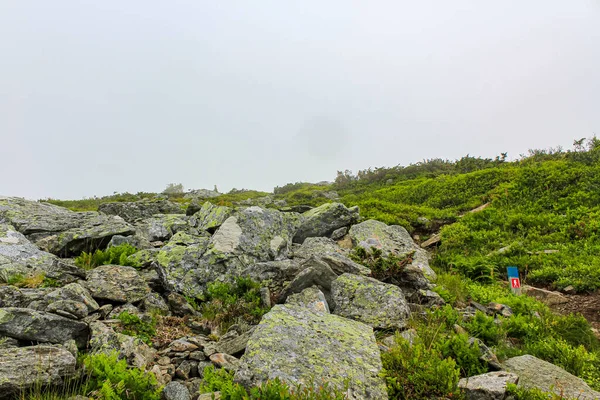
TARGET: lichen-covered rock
(18,256)
(38,326)
(136,210)
(368,300)
(274,274)
(490,386)
(329,251)
(153,303)
(315,272)
(68,309)
(249,236)
(540,374)
(116,283)
(311,298)
(22,368)
(176,391)
(209,217)
(394,239)
(162,227)
(59,230)
(105,340)
(323,220)
(74,292)
(302,347)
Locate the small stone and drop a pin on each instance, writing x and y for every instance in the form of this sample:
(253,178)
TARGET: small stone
(226,361)
(181,345)
(265,297)
(186,370)
(175,391)
(490,386)
(164,361)
(210,396)
(197,355)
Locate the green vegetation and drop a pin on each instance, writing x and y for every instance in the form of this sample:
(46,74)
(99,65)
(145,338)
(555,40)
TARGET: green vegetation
(117,255)
(133,325)
(104,377)
(382,268)
(91,204)
(230,303)
(222,380)
(38,280)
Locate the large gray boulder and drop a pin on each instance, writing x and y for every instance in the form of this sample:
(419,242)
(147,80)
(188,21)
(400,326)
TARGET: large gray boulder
(323,220)
(274,274)
(73,292)
(37,326)
(59,230)
(132,211)
(302,347)
(23,368)
(116,283)
(490,386)
(540,374)
(250,236)
(315,272)
(394,239)
(18,256)
(210,216)
(331,253)
(370,301)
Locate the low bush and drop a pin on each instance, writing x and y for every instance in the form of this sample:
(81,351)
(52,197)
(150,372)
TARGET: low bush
(383,268)
(133,325)
(229,303)
(117,255)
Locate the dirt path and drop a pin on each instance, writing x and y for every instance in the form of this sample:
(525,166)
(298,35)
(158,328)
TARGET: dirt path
(586,304)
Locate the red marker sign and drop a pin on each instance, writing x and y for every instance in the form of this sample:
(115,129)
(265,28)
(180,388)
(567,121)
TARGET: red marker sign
(515,283)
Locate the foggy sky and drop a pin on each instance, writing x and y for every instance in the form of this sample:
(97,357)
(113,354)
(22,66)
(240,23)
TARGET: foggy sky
(104,96)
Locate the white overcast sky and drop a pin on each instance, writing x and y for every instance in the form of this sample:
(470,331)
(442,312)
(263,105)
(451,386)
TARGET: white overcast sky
(104,96)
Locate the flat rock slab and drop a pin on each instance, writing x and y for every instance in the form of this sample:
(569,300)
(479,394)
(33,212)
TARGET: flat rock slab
(38,326)
(490,386)
(368,300)
(117,283)
(23,367)
(536,373)
(302,347)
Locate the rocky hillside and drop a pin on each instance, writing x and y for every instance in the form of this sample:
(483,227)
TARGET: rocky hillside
(151,299)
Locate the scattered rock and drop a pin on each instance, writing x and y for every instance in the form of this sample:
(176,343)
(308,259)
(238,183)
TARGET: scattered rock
(293,344)
(226,361)
(339,233)
(490,386)
(545,296)
(536,373)
(370,301)
(315,273)
(37,326)
(116,283)
(136,210)
(311,298)
(105,340)
(23,368)
(175,391)
(209,217)
(434,239)
(325,219)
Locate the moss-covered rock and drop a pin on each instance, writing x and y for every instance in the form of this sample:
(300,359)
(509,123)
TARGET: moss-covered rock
(323,220)
(210,216)
(132,211)
(59,230)
(302,347)
(37,326)
(116,283)
(368,300)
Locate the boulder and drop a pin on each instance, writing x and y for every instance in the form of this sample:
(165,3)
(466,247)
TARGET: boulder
(74,292)
(394,239)
(311,298)
(23,368)
(370,301)
(209,217)
(162,227)
(332,254)
(545,296)
(61,231)
(301,347)
(536,373)
(314,272)
(37,326)
(249,236)
(136,210)
(490,386)
(234,345)
(116,283)
(274,274)
(18,256)
(323,220)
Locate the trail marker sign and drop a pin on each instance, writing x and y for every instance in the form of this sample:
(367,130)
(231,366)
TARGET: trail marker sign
(513,278)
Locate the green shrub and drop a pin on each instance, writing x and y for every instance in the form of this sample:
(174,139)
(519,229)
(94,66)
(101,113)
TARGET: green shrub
(133,325)
(111,379)
(520,393)
(382,267)
(227,303)
(222,380)
(117,255)
(418,372)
